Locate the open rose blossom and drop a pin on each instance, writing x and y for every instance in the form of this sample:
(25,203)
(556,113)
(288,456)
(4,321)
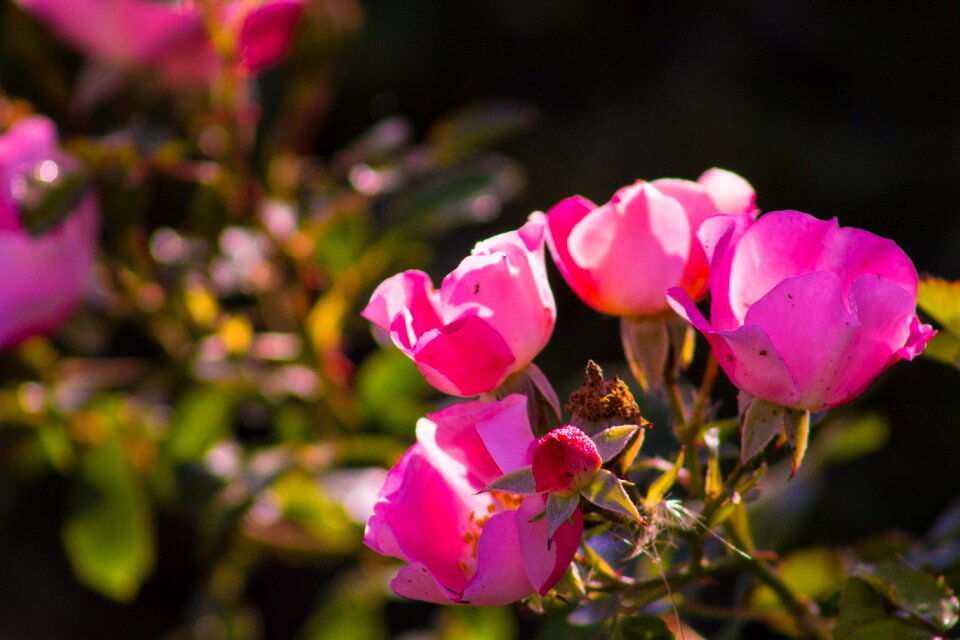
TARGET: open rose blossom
(622,257)
(491,317)
(463,546)
(805,313)
(42,277)
(171,37)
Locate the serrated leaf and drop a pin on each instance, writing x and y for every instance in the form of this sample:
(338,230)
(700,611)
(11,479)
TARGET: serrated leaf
(519,481)
(606,491)
(941,300)
(929,599)
(796,424)
(659,487)
(108,534)
(611,441)
(863,617)
(559,510)
(762,421)
(646,344)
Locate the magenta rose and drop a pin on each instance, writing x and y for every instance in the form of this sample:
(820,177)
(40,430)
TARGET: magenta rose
(623,256)
(43,277)
(171,37)
(463,546)
(491,317)
(805,313)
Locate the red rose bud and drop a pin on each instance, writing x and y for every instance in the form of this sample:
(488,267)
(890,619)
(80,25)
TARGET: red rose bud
(565,461)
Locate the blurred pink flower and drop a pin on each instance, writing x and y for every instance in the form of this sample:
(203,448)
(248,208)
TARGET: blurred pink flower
(805,313)
(465,547)
(621,258)
(171,37)
(491,317)
(43,277)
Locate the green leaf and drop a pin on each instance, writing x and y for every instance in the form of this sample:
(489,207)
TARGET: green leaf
(941,300)
(392,390)
(659,487)
(606,491)
(815,573)
(477,623)
(762,421)
(646,344)
(559,510)
(519,481)
(108,534)
(848,439)
(945,348)
(200,420)
(929,599)
(863,617)
(796,424)
(611,441)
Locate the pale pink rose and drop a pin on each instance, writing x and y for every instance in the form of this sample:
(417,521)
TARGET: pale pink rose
(491,317)
(621,257)
(463,546)
(42,278)
(805,313)
(171,37)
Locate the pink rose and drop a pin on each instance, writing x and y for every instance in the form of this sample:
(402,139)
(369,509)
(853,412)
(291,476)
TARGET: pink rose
(621,258)
(491,317)
(43,277)
(462,546)
(171,36)
(805,313)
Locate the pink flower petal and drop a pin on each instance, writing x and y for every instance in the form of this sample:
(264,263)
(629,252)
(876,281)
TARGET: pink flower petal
(499,579)
(746,355)
(545,566)
(636,274)
(790,243)
(730,192)
(266,32)
(561,220)
(507,434)
(464,358)
(407,306)
(26,143)
(807,320)
(415,581)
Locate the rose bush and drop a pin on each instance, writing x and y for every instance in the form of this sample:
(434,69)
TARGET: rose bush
(463,546)
(623,256)
(805,313)
(172,37)
(44,275)
(491,317)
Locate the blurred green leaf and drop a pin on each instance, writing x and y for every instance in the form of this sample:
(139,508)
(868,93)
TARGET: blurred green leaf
(941,300)
(477,623)
(847,439)
(469,193)
(353,613)
(341,243)
(814,573)
(108,534)
(201,419)
(392,390)
(945,348)
(929,599)
(479,126)
(48,203)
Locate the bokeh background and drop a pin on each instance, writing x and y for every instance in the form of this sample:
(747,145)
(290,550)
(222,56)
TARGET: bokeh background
(847,109)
